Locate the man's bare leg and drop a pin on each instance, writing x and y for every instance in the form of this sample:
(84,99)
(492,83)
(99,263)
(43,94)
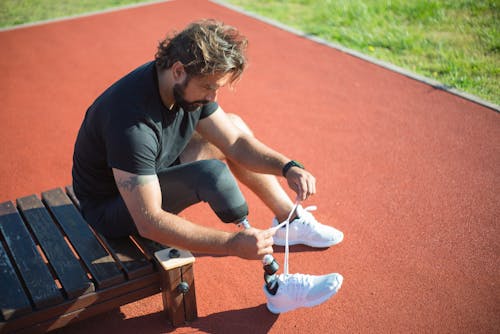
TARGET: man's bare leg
(265,186)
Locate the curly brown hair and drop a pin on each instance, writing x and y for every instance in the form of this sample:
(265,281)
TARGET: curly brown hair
(205,47)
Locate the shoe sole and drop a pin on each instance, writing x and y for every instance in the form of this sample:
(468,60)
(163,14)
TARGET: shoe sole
(309,304)
(310,244)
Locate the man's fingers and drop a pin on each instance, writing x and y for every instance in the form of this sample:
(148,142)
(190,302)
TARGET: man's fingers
(264,251)
(303,184)
(268,238)
(265,245)
(299,189)
(310,186)
(304,189)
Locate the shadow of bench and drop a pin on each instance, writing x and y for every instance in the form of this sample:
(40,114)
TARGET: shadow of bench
(56,270)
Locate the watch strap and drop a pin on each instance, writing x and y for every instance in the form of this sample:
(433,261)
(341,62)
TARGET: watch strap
(290,164)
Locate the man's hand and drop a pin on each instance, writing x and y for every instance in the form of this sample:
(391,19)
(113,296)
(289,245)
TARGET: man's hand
(251,243)
(302,182)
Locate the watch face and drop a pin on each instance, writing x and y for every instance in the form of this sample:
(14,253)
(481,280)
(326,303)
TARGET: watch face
(298,164)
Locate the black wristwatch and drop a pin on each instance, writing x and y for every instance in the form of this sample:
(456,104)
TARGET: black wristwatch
(290,164)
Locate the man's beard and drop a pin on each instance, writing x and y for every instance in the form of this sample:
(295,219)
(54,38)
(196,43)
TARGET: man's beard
(180,102)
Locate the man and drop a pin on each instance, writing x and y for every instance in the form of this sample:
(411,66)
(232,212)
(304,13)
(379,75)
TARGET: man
(152,144)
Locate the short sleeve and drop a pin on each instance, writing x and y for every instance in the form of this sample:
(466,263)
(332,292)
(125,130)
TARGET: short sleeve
(132,148)
(208,109)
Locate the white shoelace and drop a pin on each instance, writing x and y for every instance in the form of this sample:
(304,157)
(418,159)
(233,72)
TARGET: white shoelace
(287,223)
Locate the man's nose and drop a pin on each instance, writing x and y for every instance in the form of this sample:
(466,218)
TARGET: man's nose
(212,96)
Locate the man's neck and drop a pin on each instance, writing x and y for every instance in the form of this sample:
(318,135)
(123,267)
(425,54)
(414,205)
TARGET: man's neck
(165,86)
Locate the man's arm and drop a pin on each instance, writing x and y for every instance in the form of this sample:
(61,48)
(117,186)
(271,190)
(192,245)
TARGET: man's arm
(244,149)
(142,195)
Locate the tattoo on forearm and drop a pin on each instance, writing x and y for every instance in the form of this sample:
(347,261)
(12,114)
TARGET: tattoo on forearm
(133,182)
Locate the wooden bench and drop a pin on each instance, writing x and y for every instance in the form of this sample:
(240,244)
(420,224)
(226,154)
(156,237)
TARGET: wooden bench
(56,270)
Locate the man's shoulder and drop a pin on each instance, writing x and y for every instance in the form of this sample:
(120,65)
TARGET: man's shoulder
(146,70)
(133,96)
(208,109)
(141,79)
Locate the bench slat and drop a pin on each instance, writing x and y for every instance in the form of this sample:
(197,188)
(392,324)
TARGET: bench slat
(71,194)
(34,271)
(13,300)
(66,266)
(149,247)
(133,261)
(100,264)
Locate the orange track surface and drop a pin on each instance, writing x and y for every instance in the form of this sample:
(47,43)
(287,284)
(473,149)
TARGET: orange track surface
(410,173)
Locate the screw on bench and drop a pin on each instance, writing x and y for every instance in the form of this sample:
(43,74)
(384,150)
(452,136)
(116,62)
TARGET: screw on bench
(174,253)
(183,287)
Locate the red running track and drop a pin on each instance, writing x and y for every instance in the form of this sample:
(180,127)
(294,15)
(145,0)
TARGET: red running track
(410,173)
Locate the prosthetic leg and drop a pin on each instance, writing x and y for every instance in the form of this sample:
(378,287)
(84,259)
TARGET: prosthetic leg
(270,269)
(270,266)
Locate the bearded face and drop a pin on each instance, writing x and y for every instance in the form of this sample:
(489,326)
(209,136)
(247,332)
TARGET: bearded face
(180,100)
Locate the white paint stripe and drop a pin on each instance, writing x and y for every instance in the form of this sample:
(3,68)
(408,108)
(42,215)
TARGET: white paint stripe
(389,66)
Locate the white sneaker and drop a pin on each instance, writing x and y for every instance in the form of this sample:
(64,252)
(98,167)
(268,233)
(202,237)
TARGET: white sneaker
(305,229)
(299,290)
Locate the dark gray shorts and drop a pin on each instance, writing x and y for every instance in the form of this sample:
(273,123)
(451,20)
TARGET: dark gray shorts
(182,186)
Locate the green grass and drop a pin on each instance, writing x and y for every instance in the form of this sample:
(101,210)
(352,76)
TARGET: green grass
(14,12)
(454,42)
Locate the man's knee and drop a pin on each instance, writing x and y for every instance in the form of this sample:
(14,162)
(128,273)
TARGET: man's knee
(240,123)
(219,188)
(215,175)
(199,148)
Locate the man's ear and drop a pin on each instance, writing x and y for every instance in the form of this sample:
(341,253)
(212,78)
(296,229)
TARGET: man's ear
(178,71)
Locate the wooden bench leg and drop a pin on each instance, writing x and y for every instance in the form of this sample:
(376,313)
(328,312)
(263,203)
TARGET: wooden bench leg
(178,288)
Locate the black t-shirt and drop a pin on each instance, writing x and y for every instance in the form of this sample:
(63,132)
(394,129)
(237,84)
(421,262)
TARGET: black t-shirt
(129,128)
